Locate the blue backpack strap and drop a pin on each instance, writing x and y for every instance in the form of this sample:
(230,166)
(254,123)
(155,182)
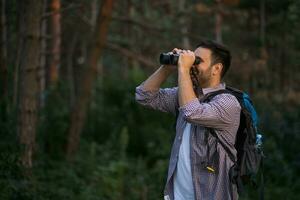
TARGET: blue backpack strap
(249,106)
(246,102)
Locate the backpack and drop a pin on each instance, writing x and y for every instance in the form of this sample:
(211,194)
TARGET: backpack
(248,143)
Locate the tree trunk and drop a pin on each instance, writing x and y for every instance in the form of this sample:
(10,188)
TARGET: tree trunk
(184,26)
(19,50)
(94,13)
(43,61)
(79,109)
(56,40)
(262,23)
(3,50)
(218,26)
(70,68)
(29,86)
(263,49)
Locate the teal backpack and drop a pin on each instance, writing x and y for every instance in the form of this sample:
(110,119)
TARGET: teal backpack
(248,168)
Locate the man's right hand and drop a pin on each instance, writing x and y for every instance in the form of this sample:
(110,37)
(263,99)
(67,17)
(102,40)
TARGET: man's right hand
(172,68)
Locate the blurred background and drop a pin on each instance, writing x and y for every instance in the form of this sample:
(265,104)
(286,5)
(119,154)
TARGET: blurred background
(70,127)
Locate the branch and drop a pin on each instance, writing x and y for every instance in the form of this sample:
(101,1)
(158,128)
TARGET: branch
(130,54)
(72,6)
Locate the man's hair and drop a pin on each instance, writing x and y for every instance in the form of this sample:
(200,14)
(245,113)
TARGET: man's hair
(219,54)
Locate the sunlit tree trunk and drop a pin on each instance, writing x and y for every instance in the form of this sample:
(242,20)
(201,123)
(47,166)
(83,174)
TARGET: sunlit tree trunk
(128,12)
(79,109)
(29,86)
(56,41)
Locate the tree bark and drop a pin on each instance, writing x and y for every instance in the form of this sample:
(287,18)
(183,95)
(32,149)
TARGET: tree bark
(3,50)
(43,61)
(263,48)
(94,13)
(56,40)
(262,23)
(79,109)
(19,51)
(29,86)
(70,68)
(218,26)
(184,26)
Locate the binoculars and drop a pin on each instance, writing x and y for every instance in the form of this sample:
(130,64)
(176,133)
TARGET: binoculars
(171,58)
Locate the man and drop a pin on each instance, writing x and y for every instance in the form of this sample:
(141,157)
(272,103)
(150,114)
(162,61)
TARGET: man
(190,175)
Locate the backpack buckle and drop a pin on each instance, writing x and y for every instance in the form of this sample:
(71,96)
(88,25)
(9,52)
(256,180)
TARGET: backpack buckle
(210,169)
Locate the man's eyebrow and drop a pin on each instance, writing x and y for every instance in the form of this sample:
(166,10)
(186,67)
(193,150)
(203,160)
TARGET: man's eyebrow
(201,59)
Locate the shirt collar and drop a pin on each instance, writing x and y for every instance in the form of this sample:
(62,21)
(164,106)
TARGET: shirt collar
(207,90)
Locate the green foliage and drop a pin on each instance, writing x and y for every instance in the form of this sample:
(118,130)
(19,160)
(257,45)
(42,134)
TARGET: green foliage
(123,157)
(54,122)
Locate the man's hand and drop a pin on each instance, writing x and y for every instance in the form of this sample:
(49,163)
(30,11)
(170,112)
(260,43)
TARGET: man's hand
(186,59)
(185,83)
(172,68)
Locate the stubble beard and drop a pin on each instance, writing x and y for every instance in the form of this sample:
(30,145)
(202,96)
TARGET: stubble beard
(204,78)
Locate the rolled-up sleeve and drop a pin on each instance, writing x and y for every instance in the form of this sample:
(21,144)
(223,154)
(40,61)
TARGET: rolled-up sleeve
(164,99)
(222,111)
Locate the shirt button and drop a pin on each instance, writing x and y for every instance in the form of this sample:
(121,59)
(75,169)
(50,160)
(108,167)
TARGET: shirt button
(179,137)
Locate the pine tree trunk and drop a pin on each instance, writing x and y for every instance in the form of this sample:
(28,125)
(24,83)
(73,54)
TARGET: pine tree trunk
(184,26)
(70,68)
(218,25)
(79,109)
(262,23)
(56,40)
(29,86)
(3,50)
(43,61)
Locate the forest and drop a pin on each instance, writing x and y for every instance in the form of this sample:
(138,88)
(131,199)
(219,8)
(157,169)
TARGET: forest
(70,126)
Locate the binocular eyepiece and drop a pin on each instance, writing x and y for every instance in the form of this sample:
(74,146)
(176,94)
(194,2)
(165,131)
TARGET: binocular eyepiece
(171,58)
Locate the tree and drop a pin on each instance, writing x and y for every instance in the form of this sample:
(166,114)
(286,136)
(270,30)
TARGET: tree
(219,18)
(55,47)
(3,49)
(80,107)
(28,91)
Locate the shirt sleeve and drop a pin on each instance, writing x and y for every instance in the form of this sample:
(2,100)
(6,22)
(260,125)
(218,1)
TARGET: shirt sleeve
(221,112)
(165,100)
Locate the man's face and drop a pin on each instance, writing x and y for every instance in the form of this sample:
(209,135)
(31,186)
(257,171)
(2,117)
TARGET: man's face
(204,68)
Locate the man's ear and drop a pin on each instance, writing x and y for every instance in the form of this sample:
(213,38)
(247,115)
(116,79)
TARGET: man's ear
(217,69)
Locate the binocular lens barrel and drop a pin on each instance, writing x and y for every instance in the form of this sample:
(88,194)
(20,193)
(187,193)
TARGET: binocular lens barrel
(172,59)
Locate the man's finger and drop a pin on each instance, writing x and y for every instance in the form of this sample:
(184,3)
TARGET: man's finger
(176,50)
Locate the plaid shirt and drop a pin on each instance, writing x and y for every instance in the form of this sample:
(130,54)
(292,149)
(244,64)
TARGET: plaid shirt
(222,114)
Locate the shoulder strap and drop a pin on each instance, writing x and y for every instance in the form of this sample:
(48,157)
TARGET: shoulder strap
(231,90)
(208,97)
(231,156)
